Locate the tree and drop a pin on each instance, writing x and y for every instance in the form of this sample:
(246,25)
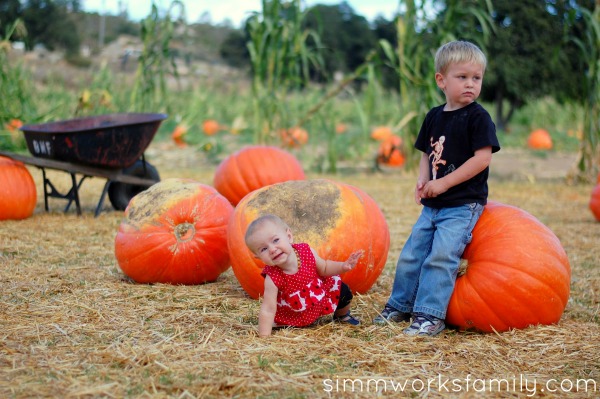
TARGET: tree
(346,37)
(49,23)
(10,10)
(523,55)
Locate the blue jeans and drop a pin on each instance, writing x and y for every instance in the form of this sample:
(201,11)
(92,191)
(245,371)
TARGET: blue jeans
(428,263)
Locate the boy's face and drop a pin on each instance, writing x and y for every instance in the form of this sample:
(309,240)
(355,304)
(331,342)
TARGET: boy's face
(461,83)
(271,243)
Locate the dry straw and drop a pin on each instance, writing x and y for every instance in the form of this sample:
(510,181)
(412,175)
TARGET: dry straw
(73,326)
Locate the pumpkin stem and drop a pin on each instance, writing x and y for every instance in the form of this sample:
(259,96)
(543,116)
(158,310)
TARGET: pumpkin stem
(462,268)
(184,232)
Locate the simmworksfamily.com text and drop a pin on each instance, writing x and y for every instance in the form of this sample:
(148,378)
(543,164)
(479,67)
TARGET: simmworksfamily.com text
(530,386)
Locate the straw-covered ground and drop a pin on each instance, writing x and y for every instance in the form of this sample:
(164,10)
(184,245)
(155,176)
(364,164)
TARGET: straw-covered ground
(72,325)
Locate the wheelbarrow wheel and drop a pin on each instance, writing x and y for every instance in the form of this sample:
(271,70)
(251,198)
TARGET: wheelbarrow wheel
(120,194)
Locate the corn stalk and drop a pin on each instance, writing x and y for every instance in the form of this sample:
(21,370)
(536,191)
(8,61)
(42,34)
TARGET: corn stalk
(280,59)
(156,62)
(588,162)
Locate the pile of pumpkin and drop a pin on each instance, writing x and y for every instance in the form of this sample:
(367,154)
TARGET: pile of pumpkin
(184,232)
(180,231)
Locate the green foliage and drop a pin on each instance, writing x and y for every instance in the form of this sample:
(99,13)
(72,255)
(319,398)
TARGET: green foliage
(156,64)
(589,46)
(16,92)
(345,36)
(50,23)
(280,60)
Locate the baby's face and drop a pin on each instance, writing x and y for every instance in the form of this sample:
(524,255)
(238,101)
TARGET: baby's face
(271,243)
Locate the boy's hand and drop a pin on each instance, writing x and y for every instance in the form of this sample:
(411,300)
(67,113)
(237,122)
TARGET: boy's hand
(433,188)
(352,260)
(419,192)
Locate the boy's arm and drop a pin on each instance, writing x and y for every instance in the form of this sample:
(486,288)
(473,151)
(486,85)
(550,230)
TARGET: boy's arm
(328,267)
(423,177)
(266,315)
(472,167)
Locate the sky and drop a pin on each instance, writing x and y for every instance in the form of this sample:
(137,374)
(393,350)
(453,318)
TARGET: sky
(234,10)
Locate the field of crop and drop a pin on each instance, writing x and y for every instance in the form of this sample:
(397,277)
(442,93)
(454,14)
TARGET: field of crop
(73,325)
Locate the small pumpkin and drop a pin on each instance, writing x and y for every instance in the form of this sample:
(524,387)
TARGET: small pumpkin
(341,128)
(390,152)
(254,167)
(293,137)
(174,232)
(210,127)
(595,202)
(334,218)
(517,274)
(539,139)
(380,133)
(18,195)
(178,135)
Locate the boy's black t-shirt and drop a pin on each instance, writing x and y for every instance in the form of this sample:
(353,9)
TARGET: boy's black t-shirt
(450,139)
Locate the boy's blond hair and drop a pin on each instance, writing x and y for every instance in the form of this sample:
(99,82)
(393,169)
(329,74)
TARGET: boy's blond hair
(458,52)
(256,223)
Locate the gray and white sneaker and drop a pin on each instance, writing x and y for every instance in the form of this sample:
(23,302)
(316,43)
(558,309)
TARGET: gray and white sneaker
(425,326)
(389,314)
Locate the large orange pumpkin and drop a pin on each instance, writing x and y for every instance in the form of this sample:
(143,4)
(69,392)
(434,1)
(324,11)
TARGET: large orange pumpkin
(539,139)
(595,202)
(517,274)
(174,232)
(255,167)
(334,218)
(18,195)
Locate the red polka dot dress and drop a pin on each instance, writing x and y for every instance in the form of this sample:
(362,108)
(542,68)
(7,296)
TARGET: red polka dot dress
(305,296)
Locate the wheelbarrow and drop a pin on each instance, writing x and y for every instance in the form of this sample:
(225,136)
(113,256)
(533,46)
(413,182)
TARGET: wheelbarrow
(110,146)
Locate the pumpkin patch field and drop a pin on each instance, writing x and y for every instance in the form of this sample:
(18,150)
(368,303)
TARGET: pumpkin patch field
(73,325)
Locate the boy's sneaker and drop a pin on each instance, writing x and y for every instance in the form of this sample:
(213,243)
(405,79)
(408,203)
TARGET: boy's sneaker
(389,314)
(425,326)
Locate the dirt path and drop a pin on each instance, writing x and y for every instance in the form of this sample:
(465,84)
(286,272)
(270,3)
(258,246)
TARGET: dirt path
(517,164)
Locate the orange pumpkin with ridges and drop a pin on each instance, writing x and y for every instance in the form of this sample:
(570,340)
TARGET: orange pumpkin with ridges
(174,232)
(255,167)
(334,218)
(517,274)
(18,195)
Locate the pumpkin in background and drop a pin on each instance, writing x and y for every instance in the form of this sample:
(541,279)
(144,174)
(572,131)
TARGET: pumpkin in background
(174,232)
(334,218)
(381,133)
(539,139)
(210,127)
(254,167)
(595,202)
(294,137)
(178,135)
(18,195)
(517,274)
(390,152)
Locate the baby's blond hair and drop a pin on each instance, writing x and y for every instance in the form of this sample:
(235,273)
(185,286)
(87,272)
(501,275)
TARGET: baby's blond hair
(258,222)
(458,52)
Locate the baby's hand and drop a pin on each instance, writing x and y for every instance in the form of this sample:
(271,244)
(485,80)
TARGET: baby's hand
(352,260)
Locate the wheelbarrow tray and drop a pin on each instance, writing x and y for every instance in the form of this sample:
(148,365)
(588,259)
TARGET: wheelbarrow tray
(112,141)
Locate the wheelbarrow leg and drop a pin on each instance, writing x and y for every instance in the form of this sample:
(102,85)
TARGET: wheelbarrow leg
(73,194)
(46,193)
(101,201)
